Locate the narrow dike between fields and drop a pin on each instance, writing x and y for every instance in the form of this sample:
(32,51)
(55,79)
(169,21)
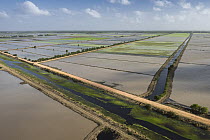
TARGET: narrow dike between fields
(161,84)
(113,108)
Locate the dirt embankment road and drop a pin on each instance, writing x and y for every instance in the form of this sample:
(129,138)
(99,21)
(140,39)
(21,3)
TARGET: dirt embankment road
(130,96)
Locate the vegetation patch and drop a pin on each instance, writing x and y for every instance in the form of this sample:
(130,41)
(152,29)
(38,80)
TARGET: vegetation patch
(155,48)
(108,134)
(197,109)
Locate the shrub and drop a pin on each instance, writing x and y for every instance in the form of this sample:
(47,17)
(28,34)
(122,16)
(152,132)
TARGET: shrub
(148,107)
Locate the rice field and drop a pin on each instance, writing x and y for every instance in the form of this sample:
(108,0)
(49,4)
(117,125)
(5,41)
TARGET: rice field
(26,113)
(159,46)
(49,45)
(191,81)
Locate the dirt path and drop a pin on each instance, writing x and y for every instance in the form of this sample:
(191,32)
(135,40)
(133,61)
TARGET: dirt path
(130,96)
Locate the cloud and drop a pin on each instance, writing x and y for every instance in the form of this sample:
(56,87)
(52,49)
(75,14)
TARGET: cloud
(157,9)
(162,3)
(200,6)
(170,18)
(205,11)
(185,5)
(157,18)
(123,2)
(138,13)
(66,11)
(30,8)
(93,13)
(3,14)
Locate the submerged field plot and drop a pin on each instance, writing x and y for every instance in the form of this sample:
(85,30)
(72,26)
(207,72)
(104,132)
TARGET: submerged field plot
(128,67)
(192,77)
(26,113)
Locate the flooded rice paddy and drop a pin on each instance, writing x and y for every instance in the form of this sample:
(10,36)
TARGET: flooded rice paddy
(26,113)
(191,81)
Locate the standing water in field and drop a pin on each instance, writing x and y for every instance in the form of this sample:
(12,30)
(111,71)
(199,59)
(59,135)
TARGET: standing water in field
(26,113)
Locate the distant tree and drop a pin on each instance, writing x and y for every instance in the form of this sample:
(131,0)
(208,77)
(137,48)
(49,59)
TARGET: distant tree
(35,47)
(67,51)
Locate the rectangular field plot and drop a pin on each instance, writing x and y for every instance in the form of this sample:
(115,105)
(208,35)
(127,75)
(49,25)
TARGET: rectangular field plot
(11,46)
(132,67)
(192,85)
(44,52)
(77,46)
(192,78)
(122,39)
(198,51)
(25,110)
(84,38)
(87,45)
(102,42)
(127,58)
(61,49)
(158,46)
(57,41)
(129,82)
(31,44)
(26,55)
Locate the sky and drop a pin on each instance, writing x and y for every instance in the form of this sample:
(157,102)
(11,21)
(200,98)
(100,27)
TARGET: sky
(35,15)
